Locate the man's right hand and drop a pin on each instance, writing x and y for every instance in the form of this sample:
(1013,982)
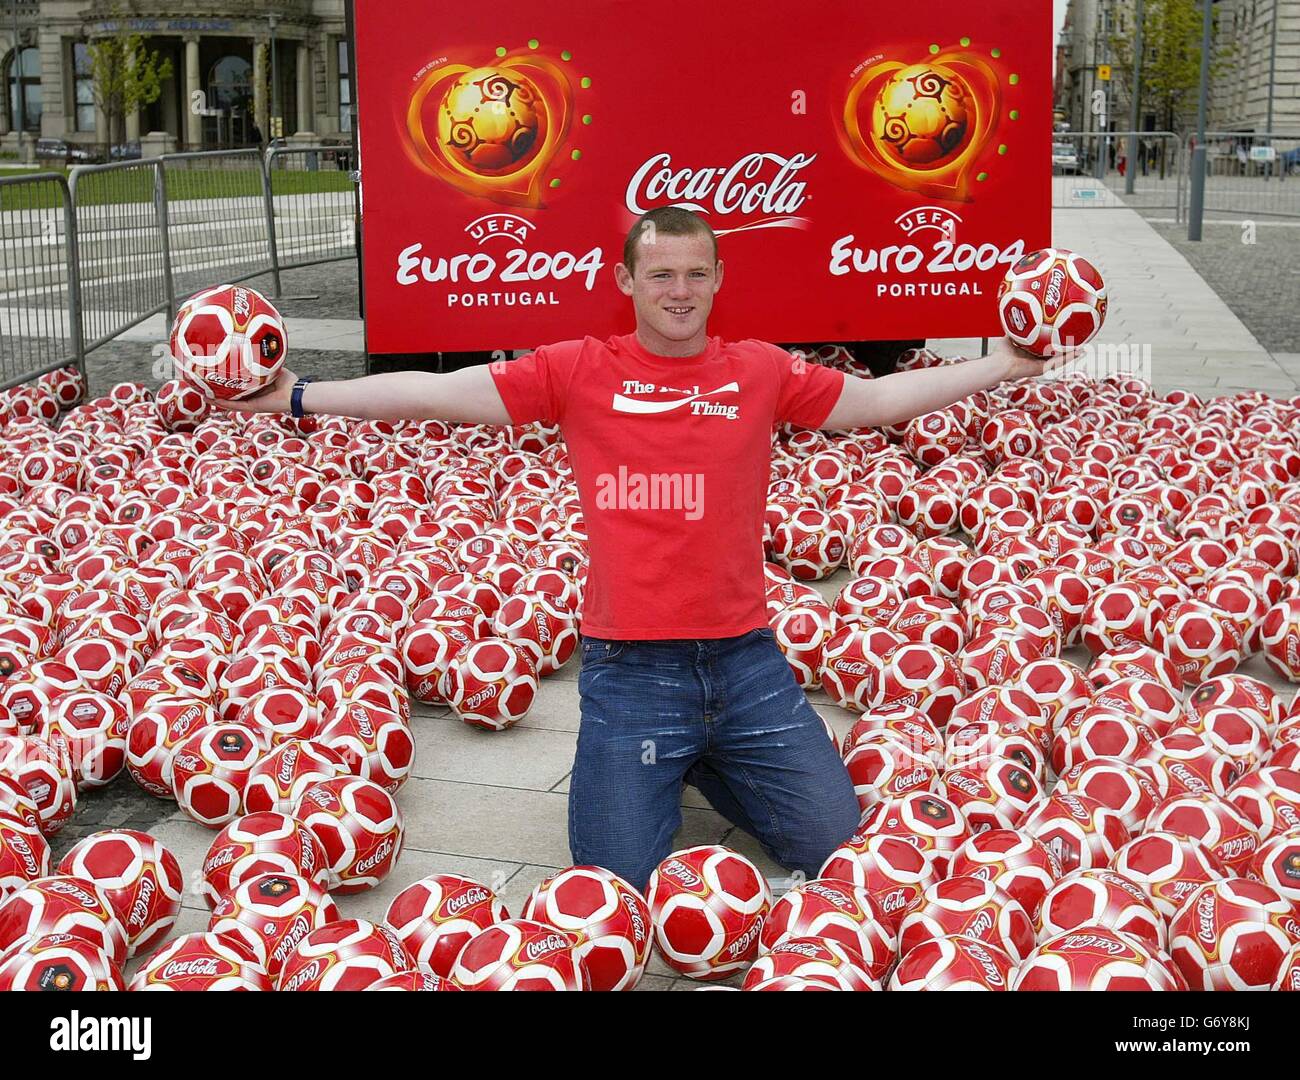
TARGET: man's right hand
(274,399)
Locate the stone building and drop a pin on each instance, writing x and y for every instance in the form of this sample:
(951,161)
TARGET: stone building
(1262,34)
(233,63)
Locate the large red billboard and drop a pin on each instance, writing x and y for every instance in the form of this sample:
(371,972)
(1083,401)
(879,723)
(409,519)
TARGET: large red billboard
(871,170)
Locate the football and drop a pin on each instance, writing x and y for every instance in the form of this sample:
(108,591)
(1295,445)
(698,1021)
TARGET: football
(1052,300)
(491,121)
(229,341)
(922,116)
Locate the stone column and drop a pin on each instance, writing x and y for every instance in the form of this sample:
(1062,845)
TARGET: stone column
(193,82)
(6,73)
(261,100)
(304,87)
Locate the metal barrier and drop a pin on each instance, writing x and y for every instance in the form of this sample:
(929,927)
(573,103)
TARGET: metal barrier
(40,312)
(1086,170)
(1254,174)
(312,201)
(122,259)
(218,228)
(84,259)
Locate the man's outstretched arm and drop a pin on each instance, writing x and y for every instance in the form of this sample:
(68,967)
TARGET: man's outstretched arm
(897,398)
(468,396)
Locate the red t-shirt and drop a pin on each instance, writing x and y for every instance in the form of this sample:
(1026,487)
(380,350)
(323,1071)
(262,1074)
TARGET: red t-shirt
(671,458)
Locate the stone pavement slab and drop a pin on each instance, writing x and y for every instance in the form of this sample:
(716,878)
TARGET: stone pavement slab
(1158,299)
(532,758)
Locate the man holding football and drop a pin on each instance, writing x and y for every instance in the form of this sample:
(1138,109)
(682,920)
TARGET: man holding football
(681,681)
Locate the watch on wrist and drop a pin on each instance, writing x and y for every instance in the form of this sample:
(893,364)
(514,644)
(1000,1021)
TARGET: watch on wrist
(295,397)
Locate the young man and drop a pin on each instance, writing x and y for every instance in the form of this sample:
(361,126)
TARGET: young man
(681,679)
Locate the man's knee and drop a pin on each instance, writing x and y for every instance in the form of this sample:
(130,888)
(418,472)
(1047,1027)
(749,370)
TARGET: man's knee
(810,844)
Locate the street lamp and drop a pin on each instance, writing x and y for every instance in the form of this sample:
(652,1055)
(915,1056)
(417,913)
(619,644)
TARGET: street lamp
(1130,178)
(274,20)
(1196,204)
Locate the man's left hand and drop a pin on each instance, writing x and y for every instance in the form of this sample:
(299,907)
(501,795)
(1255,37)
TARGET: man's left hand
(1023,365)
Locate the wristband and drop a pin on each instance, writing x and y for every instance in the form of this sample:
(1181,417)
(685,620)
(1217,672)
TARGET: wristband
(295,397)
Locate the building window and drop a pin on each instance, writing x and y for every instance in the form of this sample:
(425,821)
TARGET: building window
(84,86)
(345,88)
(25,78)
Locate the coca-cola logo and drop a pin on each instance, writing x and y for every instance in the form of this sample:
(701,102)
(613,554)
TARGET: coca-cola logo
(1093,941)
(361,717)
(474,700)
(808,949)
(1187,778)
(471,897)
(140,908)
(741,945)
(297,930)
(224,857)
(756,183)
(908,780)
(539,947)
(894,900)
(18,843)
(375,857)
(980,925)
(288,760)
(981,956)
(322,797)
(675,868)
(543,627)
(184,969)
(967,785)
(1055,283)
(302,976)
(849,667)
(831,895)
(75,891)
(1205,911)
(639,930)
(1235,847)
(1074,807)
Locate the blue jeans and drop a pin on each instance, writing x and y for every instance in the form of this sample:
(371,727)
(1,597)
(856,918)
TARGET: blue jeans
(723,715)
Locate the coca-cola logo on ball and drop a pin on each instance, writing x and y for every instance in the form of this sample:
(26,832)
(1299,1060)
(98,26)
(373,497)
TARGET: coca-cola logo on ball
(469,898)
(304,975)
(198,967)
(1206,908)
(376,857)
(679,871)
(1093,941)
(536,949)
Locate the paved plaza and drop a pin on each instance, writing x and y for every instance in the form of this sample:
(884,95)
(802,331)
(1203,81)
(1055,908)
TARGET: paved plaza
(493,806)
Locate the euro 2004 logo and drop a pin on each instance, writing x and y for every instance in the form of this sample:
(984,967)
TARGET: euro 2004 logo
(505,129)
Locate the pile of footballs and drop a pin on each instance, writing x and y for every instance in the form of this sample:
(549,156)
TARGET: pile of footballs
(237,611)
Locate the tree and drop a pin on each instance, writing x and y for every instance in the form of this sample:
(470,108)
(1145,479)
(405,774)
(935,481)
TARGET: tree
(1171,69)
(125,74)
